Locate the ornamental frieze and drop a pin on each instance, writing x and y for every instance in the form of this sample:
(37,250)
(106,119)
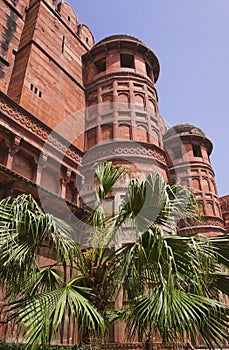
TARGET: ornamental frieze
(37,129)
(133,149)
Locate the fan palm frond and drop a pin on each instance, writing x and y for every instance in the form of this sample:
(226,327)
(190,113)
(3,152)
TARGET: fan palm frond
(42,315)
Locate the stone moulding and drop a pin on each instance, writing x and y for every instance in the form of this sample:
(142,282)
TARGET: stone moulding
(37,128)
(125,149)
(206,221)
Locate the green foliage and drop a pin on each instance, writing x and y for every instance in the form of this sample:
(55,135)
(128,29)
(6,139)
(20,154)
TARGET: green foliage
(16,346)
(171,284)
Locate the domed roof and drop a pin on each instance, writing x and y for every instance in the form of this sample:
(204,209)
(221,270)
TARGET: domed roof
(119,37)
(184,128)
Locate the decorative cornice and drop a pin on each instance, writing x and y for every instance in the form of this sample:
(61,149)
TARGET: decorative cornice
(125,149)
(14,112)
(210,221)
(121,74)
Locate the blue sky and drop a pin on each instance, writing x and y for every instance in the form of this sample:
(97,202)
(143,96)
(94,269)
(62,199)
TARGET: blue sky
(191,41)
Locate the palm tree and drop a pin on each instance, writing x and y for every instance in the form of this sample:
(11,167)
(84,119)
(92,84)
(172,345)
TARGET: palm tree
(40,299)
(171,284)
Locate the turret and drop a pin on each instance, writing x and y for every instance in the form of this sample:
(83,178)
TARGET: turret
(188,151)
(122,120)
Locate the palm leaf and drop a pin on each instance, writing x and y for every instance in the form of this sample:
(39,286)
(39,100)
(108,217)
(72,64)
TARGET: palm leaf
(154,202)
(41,316)
(24,230)
(107,176)
(175,313)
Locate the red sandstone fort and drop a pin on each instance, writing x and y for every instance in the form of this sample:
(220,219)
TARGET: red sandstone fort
(66,101)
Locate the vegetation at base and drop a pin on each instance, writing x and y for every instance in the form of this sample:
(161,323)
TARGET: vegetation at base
(17,346)
(171,285)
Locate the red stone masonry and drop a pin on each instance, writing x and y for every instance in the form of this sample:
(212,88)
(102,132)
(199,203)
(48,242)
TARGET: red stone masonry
(66,103)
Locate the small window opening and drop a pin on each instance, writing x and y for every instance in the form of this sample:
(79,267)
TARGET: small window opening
(87,40)
(196,151)
(127,60)
(31,87)
(148,70)
(69,18)
(40,94)
(35,90)
(100,65)
(177,152)
(63,42)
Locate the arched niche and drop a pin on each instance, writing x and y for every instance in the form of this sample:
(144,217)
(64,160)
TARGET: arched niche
(107,132)
(141,134)
(213,186)
(123,100)
(107,101)
(151,106)
(217,209)
(210,209)
(205,185)
(196,184)
(201,208)
(92,108)
(91,138)
(154,137)
(124,132)
(139,101)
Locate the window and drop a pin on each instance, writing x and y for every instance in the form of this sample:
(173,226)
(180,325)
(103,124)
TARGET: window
(196,150)
(63,43)
(35,90)
(177,152)
(69,18)
(127,61)
(100,65)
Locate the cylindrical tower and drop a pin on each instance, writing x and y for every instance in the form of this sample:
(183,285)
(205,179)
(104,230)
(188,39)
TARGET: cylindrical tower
(188,152)
(122,119)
